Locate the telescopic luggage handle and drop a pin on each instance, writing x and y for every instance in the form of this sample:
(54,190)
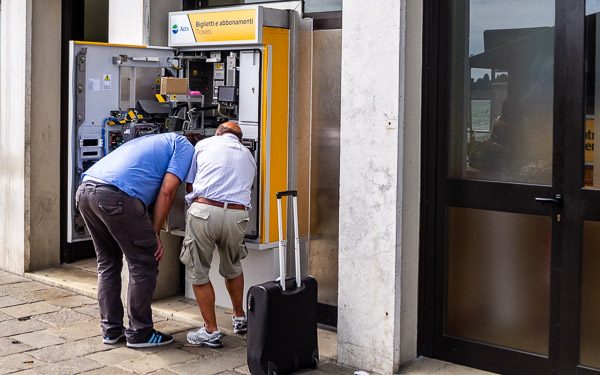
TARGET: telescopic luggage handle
(286,193)
(282,244)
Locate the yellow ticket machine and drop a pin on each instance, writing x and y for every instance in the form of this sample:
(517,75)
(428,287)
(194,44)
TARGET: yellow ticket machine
(238,59)
(228,64)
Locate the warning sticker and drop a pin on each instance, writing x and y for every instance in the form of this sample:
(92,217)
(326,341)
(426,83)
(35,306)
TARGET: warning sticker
(106,83)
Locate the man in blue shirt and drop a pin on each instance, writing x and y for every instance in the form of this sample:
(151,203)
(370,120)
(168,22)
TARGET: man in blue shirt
(113,199)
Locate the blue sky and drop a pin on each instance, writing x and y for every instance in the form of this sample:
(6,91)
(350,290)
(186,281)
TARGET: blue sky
(507,14)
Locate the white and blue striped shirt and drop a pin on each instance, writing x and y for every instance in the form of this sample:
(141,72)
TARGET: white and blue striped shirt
(223,170)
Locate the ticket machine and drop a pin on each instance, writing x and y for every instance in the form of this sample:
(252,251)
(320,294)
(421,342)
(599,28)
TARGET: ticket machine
(229,64)
(238,59)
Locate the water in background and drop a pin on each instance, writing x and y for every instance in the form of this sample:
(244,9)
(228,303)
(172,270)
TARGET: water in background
(480,118)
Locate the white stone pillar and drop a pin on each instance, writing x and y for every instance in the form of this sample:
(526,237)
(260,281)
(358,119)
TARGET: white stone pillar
(15,121)
(129,22)
(379,148)
(30,135)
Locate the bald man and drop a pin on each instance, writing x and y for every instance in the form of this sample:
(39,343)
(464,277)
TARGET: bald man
(218,186)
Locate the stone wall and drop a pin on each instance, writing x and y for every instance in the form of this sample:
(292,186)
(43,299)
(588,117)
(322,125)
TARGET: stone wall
(44,136)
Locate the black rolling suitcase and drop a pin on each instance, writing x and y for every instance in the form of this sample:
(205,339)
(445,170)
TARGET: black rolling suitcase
(282,316)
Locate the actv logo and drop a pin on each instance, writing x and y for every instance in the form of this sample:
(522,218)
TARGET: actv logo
(175,29)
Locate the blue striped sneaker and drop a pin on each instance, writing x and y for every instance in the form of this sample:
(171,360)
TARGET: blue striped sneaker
(154,339)
(113,340)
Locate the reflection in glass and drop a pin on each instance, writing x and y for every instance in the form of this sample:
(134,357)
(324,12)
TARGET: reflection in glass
(220,3)
(592,6)
(590,295)
(501,83)
(310,6)
(324,163)
(592,94)
(499,278)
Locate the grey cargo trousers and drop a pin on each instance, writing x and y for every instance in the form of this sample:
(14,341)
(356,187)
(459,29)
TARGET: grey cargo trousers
(120,225)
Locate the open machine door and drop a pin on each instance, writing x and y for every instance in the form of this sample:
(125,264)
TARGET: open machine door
(113,99)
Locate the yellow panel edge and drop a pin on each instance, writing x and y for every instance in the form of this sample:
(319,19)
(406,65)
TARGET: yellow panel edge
(279,40)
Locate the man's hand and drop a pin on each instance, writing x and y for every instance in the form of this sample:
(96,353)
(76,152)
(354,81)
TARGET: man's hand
(159,251)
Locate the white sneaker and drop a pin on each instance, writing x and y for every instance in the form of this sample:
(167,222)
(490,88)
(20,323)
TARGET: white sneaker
(240,324)
(201,337)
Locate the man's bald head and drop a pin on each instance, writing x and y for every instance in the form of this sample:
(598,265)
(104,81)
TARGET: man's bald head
(230,127)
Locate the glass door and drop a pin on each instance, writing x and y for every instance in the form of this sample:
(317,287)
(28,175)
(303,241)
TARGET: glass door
(498,194)
(582,290)
(512,103)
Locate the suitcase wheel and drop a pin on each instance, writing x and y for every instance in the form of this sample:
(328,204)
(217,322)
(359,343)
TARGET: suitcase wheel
(315,362)
(315,358)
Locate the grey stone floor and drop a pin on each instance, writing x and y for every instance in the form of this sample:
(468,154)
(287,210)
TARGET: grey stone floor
(49,324)
(50,330)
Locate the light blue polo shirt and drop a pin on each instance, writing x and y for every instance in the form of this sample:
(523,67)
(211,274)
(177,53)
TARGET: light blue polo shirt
(139,166)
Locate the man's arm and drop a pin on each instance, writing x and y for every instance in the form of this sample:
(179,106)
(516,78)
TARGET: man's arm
(165,198)
(189,187)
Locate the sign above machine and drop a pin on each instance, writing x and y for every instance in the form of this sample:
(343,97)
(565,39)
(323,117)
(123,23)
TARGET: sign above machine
(240,25)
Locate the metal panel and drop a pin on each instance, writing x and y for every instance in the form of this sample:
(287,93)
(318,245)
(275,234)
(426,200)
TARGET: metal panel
(124,87)
(275,18)
(252,231)
(95,91)
(325,166)
(299,129)
(315,6)
(249,86)
(147,81)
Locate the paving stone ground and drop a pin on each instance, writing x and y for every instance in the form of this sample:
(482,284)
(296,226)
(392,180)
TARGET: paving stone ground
(48,330)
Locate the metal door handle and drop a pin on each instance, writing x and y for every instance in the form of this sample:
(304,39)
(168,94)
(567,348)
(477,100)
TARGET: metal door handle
(556,200)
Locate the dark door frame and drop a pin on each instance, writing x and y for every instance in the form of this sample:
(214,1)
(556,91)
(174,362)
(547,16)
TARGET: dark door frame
(578,204)
(73,12)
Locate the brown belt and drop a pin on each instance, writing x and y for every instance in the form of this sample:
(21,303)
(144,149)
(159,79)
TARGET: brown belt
(220,204)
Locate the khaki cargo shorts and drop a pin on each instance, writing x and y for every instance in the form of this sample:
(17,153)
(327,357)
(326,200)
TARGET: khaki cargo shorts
(208,227)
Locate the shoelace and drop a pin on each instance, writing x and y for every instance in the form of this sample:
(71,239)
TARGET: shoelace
(211,336)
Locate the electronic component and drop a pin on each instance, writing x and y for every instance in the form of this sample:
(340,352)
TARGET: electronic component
(133,130)
(115,140)
(226,94)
